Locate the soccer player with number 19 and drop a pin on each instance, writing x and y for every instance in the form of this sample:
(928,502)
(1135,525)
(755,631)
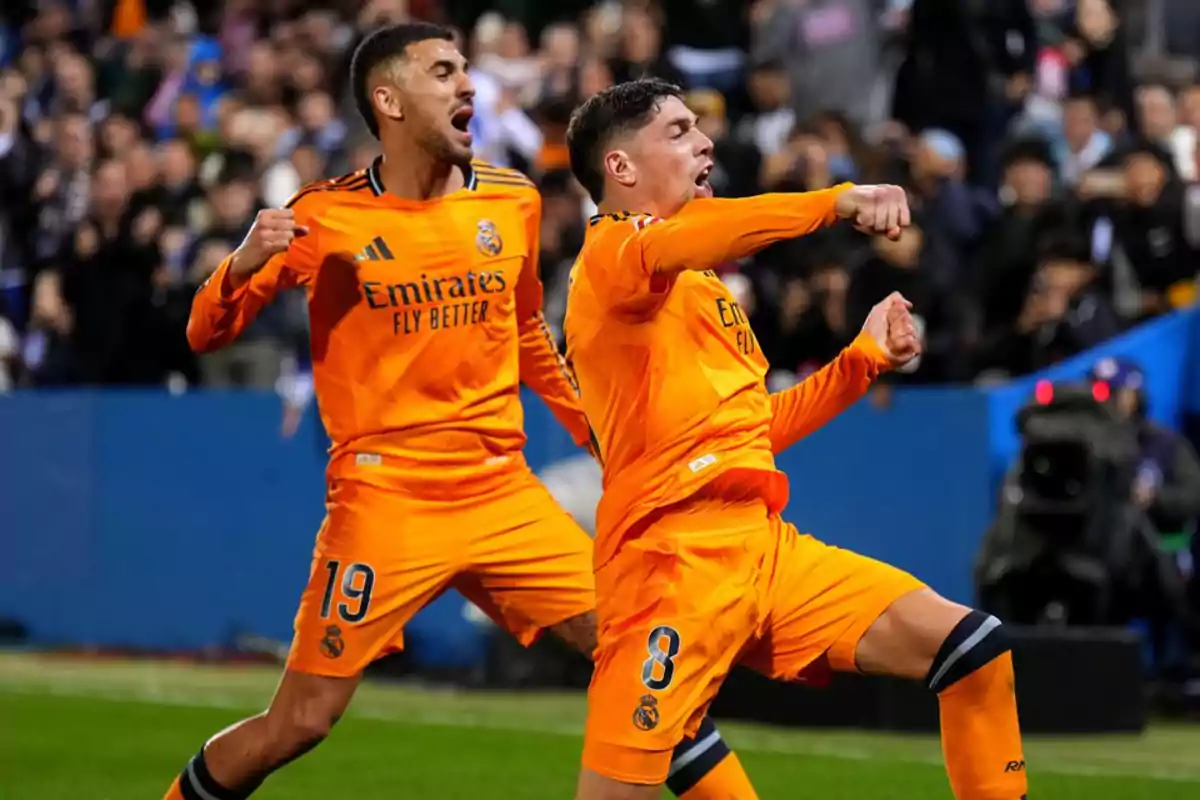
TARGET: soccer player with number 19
(425,309)
(695,569)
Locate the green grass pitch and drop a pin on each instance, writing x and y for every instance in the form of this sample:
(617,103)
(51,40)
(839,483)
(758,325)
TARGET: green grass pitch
(120,730)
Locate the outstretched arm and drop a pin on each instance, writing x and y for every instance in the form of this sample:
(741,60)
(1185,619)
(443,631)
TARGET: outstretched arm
(708,232)
(712,231)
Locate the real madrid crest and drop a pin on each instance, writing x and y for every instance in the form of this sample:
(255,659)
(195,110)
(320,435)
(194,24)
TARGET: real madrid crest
(488,240)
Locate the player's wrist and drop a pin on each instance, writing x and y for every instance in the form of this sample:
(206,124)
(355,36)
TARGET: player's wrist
(877,354)
(244,263)
(236,276)
(844,204)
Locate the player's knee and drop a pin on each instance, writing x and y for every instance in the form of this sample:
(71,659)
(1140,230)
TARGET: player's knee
(301,727)
(976,641)
(904,640)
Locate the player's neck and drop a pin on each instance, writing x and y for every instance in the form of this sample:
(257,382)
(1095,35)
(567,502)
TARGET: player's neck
(418,176)
(616,203)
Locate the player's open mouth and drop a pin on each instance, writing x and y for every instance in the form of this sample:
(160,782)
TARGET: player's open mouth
(460,120)
(703,188)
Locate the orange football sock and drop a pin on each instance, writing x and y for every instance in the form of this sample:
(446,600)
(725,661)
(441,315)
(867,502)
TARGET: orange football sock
(174,793)
(726,781)
(704,768)
(981,738)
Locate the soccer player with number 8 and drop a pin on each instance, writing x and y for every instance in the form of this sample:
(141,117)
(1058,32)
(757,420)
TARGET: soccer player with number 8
(695,569)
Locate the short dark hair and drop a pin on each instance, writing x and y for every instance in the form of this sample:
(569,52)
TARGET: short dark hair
(378,47)
(1080,96)
(618,109)
(1027,150)
(1064,245)
(1147,147)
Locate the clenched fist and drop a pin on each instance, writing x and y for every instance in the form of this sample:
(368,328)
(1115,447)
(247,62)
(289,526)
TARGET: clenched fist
(273,231)
(876,210)
(891,325)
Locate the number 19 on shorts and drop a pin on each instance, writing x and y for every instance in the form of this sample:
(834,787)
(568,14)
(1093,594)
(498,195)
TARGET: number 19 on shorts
(658,670)
(357,581)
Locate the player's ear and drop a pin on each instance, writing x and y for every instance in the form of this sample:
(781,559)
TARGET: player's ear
(388,101)
(619,167)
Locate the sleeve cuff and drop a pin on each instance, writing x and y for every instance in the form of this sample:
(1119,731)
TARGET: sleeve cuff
(867,347)
(834,193)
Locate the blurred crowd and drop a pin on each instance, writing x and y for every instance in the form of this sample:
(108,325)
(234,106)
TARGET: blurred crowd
(1049,147)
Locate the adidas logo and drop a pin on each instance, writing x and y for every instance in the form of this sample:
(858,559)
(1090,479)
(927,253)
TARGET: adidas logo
(377,250)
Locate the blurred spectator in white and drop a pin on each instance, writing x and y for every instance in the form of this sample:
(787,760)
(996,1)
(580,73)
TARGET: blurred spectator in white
(500,126)
(10,351)
(1083,144)
(1189,117)
(502,51)
(1158,122)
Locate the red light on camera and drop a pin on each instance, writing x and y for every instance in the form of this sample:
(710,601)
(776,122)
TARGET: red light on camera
(1044,392)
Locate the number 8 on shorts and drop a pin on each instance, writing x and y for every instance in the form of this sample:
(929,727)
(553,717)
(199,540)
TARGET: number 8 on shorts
(659,669)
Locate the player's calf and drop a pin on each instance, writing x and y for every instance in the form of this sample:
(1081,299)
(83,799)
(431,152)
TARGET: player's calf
(963,656)
(235,762)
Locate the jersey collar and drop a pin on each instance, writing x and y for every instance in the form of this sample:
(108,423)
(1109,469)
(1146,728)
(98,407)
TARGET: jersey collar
(615,216)
(376,183)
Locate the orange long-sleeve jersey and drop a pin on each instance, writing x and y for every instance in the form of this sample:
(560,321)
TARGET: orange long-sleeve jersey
(425,317)
(671,376)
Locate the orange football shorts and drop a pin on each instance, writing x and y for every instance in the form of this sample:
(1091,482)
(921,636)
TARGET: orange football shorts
(706,584)
(382,554)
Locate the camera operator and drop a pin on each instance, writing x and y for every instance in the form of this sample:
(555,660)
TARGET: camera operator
(1167,486)
(1167,489)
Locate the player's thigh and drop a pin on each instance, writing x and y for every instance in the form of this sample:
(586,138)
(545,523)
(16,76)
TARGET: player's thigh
(530,567)
(379,559)
(822,600)
(672,620)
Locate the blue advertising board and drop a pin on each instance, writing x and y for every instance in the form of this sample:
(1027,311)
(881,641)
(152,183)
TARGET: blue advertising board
(146,520)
